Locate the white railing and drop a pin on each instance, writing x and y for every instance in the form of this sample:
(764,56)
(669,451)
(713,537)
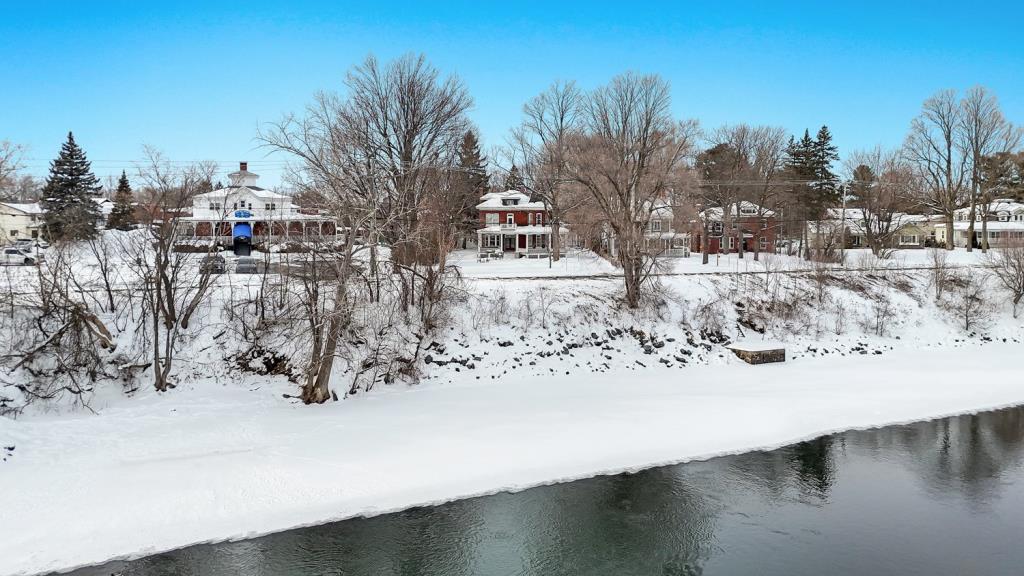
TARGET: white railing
(507,226)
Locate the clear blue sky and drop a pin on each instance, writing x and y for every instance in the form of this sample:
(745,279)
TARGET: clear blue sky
(196,80)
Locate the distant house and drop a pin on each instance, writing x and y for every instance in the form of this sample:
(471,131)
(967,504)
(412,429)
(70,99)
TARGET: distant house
(105,207)
(20,220)
(511,223)
(1004,224)
(905,231)
(750,224)
(242,212)
(660,236)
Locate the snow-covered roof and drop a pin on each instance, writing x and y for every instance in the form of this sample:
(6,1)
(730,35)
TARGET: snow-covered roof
(856,218)
(521,230)
(497,201)
(32,208)
(1011,225)
(659,209)
(748,209)
(104,204)
(1007,205)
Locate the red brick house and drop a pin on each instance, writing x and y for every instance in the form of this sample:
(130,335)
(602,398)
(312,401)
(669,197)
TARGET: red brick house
(750,224)
(511,223)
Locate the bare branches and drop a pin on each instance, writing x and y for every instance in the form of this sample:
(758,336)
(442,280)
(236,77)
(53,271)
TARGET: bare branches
(630,155)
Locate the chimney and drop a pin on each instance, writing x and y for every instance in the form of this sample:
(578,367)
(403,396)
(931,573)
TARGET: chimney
(243,166)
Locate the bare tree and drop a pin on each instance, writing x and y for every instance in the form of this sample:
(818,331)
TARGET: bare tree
(171,284)
(985,132)
(540,147)
(935,150)
(631,154)
(10,163)
(1007,266)
(881,188)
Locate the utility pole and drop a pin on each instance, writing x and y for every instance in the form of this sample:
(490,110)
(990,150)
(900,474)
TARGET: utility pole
(842,230)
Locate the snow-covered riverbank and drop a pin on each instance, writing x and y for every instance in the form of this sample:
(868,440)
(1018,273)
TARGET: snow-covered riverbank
(225,462)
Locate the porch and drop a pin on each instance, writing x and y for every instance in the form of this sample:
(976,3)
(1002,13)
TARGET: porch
(495,241)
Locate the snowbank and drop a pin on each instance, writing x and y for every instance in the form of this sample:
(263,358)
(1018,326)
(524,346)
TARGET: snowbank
(226,462)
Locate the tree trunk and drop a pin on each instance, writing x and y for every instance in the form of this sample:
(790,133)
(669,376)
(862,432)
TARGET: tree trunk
(970,228)
(705,244)
(949,231)
(556,240)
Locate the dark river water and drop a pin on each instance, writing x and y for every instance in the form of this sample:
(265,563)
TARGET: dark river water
(940,497)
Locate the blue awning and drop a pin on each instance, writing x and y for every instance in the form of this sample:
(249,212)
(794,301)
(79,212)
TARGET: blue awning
(242,230)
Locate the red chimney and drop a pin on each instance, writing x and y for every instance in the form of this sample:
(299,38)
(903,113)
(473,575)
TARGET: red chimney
(243,166)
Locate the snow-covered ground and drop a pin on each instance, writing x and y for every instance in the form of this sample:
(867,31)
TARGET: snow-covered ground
(224,461)
(585,263)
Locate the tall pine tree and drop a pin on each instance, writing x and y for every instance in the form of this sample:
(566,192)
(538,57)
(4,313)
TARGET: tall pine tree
(122,216)
(824,154)
(514,180)
(70,211)
(471,183)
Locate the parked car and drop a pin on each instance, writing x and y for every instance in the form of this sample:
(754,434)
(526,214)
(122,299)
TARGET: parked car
(29,244)
(16,256)
(212,264)
(247,265)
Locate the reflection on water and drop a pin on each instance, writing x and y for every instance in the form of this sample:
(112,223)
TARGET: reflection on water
(940,497)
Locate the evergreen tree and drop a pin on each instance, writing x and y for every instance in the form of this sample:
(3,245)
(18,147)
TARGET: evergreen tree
(826,184)
(470,183)
(122,216)
(70,211)
(514,180)
(473,165)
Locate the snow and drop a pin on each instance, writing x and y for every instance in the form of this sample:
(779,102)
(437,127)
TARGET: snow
(214,460)
(575,263)
(757,345)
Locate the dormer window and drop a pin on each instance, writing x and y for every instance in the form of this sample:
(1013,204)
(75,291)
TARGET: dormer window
(748,210)
(510,202)
(655,225)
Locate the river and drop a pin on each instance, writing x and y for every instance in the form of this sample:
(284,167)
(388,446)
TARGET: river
(938,497)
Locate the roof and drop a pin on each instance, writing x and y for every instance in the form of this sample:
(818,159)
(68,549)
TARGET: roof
(715,213)
(229,191)
(520,230)
(494,201)
(988,226)
(27,208)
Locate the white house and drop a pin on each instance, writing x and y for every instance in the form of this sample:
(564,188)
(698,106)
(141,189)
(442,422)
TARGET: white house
(1004,225)
(19,220)
(244,212)
(660,235)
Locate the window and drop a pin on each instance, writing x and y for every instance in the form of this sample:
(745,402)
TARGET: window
(529,218)
(510,218)
(763,242)
(540,219)
(273,206)
(906,239)
(748,210)
(732,242)
(212,206)
(509,202)
(266,206)
(234,206)
(491,219)
(764,224)
(734,226)
(491,241)
(655,225)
